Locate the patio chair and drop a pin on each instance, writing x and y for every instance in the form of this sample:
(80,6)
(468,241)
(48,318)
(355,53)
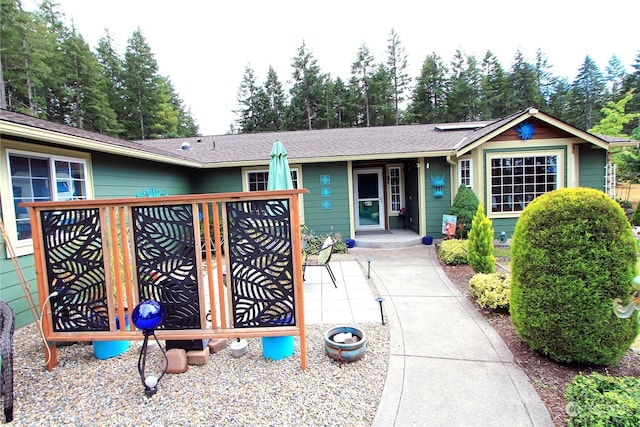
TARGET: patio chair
(320,259)
(7,324)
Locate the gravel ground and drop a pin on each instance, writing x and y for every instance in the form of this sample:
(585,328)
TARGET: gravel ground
(228,391)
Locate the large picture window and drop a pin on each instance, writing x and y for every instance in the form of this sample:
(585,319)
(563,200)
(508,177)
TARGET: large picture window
(517,180)
(38,177)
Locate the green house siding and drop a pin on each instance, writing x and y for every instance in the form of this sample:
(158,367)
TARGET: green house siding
(591,167)
(437,206)
(11,290)
(224,180)
(115,177)
(322,213)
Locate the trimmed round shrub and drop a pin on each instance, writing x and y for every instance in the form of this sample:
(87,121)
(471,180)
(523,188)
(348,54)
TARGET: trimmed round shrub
(573,252)
(491,290)
(464,207)
(453,252)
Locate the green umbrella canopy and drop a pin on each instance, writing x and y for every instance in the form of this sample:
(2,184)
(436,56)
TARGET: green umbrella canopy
(279,173)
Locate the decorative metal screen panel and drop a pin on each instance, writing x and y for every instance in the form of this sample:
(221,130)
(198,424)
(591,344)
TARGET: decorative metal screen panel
(261,263)
(166,262)
(75,269)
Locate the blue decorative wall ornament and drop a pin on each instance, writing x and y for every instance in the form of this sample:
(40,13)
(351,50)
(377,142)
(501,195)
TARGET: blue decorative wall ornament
(437,183)
(525,130)
(152,192)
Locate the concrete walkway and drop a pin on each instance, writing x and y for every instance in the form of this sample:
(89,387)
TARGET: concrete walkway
(447,366)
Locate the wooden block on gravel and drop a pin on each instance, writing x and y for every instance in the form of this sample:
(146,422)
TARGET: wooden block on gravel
(198,357)
(177,361)
(217,345)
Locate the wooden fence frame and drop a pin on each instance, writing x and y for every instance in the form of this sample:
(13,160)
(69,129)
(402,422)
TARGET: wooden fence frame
(221,323)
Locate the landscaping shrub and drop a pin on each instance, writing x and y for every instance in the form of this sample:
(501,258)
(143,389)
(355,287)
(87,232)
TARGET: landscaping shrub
(635,218)
(464,206)
(491,290)
(453,252)
(573,252)
(481,257)
(598,400)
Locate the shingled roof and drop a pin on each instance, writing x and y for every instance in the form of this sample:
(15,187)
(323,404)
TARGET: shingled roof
(316,145)
(325,145)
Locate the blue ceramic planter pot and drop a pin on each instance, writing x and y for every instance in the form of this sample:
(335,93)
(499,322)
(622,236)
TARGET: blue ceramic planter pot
(345,352)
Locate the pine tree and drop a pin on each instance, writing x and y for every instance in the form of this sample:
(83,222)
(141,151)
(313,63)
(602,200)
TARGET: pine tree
(480,247)
(56,93)
(544,79)
(306,92)
(140,86)
(23,37)
(275,98)
(248,100)
(559,99)
(493,88)
(523,85)
(587,95)
(464,88)
(615,75)
(362,71)
(428,99)
(397,70)
(632,82)
(382,111)
(111,72)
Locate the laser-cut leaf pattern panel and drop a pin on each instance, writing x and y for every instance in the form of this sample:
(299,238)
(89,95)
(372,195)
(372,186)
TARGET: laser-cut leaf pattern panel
(261,263)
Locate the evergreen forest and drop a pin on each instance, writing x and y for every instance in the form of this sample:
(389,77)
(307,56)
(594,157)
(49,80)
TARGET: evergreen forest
(48,70)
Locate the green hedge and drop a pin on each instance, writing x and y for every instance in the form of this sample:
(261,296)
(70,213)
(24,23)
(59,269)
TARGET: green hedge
(573,252)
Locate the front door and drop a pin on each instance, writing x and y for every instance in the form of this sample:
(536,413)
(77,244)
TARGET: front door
(369,199)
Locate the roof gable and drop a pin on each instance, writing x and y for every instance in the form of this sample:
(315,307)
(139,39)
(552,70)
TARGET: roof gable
(506,129)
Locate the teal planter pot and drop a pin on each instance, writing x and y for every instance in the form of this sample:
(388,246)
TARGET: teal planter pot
(276,348)
(107,349)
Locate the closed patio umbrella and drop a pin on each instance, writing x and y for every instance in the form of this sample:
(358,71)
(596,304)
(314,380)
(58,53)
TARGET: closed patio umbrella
(279,179)
(279,173)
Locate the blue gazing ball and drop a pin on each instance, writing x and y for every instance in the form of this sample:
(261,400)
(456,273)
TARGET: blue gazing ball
(148,315)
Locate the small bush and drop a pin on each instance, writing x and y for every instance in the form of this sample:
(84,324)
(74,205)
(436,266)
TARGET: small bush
(635,218)
(598,400)
(491,290)
(481,257)
(453,252)
(464,207)
(313,242)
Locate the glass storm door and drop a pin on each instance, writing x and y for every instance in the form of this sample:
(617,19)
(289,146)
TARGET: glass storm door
(369,199)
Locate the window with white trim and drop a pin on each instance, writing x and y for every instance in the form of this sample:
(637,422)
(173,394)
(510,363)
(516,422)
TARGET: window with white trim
(517,180)
(257,179)
(394,174)
(36,177)
(464,172)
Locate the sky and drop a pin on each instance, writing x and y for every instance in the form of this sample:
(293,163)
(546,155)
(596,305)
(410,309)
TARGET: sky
(204,46)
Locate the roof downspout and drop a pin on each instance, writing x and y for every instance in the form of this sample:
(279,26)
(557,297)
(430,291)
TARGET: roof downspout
(452,174)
